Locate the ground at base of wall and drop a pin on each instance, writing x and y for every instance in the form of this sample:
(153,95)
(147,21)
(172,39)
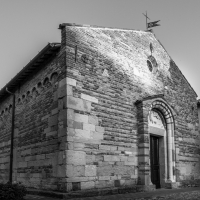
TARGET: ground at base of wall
(35,197)
(192,193)
(190,183)
(195,195)
(90,193)
(43,194)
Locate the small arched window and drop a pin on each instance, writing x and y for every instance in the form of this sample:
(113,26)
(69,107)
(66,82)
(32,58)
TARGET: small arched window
(10,108)
(23,97)
(46,82)
(192,109)
(34,92)
(152,64)
(149,66)
(19,100)
(39,85)
(54,77)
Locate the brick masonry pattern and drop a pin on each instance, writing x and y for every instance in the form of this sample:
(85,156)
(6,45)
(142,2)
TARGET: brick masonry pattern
(110,68)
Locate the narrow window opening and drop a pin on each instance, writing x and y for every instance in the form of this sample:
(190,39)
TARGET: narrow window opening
(149,66)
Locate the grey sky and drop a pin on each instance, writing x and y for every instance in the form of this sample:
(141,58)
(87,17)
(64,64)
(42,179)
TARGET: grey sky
(26,26)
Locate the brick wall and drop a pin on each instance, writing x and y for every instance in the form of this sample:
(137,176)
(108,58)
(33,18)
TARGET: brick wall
(37,145)
(5,129)
(108,72)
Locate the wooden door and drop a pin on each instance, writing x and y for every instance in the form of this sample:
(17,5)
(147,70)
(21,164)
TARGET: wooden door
(154,160)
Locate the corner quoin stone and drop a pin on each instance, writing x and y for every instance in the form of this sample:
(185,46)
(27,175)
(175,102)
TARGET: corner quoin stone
(78,104)
(90,170)
(75,157)
(71,81)
(89,98)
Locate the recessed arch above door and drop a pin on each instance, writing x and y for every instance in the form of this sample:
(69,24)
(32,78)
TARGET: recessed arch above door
(145,108)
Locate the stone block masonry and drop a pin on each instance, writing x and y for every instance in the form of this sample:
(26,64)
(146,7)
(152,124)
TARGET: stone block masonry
(106,153)
(38,124)
(106,77)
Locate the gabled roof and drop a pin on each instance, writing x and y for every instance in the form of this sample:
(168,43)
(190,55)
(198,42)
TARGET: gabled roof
(108,31)
(95,26)
(49,50)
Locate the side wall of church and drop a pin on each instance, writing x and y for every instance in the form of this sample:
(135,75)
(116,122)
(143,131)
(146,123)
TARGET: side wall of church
(5,130)
(107,72)
(38,149)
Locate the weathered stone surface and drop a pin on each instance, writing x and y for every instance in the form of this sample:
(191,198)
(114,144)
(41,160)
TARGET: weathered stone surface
(60,157)
(70,114)
(60,104)
(97,135)
(79,146)
(78,125)
(87,185)
(90,170)
(79,170)
(83,134)
(93,120)
(89,127)
(89,98)
(61,171)
(69,170)
(53,120)
(77,179)
(62,82)
(81,118)
(62,116)
(62,91)
(78,104)
(71,81)
(99,129)
(75,157)
(69,90)
(70,131)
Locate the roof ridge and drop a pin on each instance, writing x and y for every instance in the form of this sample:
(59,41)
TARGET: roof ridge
(101,27)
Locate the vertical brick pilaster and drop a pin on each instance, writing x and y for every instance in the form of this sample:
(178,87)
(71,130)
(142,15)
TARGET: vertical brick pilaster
(143,152)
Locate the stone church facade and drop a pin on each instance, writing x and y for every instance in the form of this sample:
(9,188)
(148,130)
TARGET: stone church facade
(105,108)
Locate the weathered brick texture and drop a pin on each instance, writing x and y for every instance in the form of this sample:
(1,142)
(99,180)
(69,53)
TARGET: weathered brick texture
(109,74)
(37,152)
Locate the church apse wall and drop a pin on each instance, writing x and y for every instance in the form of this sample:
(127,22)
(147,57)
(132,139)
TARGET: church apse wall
(111,70)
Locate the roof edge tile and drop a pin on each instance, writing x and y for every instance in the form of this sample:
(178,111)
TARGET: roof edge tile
(101,27)
(12,84)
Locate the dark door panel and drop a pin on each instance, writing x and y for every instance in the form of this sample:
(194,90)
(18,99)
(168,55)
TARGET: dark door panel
(154,158)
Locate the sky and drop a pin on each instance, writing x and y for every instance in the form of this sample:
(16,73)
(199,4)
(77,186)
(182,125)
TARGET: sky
(26,27)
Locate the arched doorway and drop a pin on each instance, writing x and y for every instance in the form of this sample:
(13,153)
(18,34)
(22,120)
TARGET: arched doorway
(157,132)
(157,139)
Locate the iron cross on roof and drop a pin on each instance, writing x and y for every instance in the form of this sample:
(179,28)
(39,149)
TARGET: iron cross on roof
(150,24)
(146,19)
